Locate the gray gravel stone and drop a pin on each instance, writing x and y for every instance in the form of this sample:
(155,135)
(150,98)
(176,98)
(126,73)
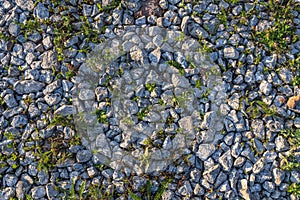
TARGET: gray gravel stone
(197,30)
(278,175)
(47,43)
(237,10)
(281,144)
(212,8)
(10,180)
(297,122)
(83,156)
(231,53)
(270,61)
(258,128)
(41,12)
(258,166)
(28,86)
(269,186)
(19,121)
(10,100)
(33,110)
(285,75)
(25,4)
(22,188)
(239,161)
(222,177)
(51,191)
(65,110)
(295,177)
(38,192)
(52,99)
(205,150)
(258,146)
(236,149)
(226,161)
(154,56)
(7,193)
(243,189)
(198,190)
(50,60)
(14,29)
(186,189)
(211,174)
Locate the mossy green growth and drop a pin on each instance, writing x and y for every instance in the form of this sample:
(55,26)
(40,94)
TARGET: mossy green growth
(278,36)
(150,87)
(101,116)
(60,120)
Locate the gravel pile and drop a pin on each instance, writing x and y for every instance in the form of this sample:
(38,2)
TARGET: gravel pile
(238,127)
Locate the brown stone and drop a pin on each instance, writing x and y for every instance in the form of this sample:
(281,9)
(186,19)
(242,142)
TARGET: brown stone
(293,101)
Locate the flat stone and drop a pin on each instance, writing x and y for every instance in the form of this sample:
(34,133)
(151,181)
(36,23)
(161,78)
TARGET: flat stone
(86,94)
(103,146)
(65,110)
(186,123)
(28,86)
(205,150)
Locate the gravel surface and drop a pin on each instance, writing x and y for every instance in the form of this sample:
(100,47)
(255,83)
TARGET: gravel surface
(104,100)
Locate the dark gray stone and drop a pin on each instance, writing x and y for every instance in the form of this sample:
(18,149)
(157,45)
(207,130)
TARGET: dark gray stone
(83,156)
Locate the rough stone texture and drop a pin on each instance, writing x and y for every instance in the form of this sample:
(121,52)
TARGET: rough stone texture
(28,86)
(231,53)
(205,150)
